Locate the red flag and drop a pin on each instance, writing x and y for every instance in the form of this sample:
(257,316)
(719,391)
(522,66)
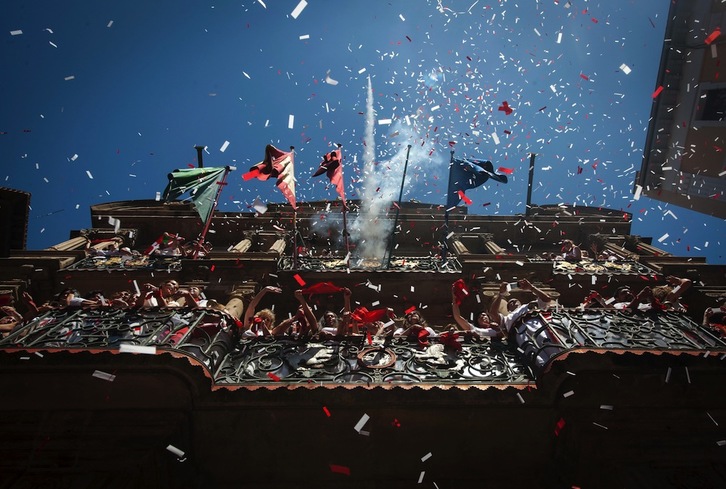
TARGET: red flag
(278,164)
(332,166)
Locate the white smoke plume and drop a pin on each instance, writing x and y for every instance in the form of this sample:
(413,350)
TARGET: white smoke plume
(381,183)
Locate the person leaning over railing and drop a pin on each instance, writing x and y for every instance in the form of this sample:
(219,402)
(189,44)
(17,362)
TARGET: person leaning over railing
(484,327)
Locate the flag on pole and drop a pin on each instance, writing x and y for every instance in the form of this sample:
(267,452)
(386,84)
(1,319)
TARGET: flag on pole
(277,164)
(202,183)
(332,166)
(467,174)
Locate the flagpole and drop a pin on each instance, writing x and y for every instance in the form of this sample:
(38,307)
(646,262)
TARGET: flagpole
(398,210)
(208,223)
(445,246)
(528,208)
(294,222)
(345,209)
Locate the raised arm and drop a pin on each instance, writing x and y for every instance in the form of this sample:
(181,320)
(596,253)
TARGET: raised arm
(497,302)
(541,295)
(252,307)
(312,323)
(680,285)
(456,312)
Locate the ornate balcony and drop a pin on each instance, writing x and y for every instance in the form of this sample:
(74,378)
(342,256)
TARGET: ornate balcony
(453,359)
(127,262)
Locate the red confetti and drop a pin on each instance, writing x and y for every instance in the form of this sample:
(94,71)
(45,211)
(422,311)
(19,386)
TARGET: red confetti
(299,280)
(409,310)
(594,20)
(211,269)
(190,165)
(463,197)
(657,91)
(452,143)
(273,376)
(506,108)
(713,36)
(584,77)
(507,131)
(339,469)
(559,426)
(508,171)
(396,423)
(327,413)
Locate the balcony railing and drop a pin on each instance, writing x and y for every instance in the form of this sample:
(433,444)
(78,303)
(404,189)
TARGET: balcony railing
(128,262)
(453,359)
(604,267)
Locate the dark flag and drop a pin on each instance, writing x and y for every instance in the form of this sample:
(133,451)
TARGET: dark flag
(467,174)
(277,164)
(332,166)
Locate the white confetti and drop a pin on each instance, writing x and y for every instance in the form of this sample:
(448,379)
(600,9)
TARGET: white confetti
(110,23)
(16,32)
(362,70)
(559,37)
(638,190)
(599,425)
(519,396)
(291,121)
(71,77)
(495,138)
(88,172)
(52,44)
(426,457)
(568,393)
(384,122)
(663,238)
(361,422)
(103,375)
(144,350)
(298,10)
(625,69)
(262,3)
(246,75)
(304,36)
(421,476)
(175,451)
(606,407)
(259,206)
(74,157)
(224,146)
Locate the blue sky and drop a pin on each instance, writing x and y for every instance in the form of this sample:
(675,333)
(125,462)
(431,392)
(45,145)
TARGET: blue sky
(100,100)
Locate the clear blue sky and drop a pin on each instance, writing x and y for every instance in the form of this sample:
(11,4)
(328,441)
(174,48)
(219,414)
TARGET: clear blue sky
(100,100)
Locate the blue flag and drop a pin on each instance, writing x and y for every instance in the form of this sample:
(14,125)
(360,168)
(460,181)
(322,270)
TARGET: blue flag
(466,174)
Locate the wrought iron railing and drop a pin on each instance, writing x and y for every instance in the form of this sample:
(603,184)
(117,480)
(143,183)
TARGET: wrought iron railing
(212,338)
(128,262)
(603,267)
(398,263)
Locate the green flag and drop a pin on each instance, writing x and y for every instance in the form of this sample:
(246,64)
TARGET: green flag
(201,182)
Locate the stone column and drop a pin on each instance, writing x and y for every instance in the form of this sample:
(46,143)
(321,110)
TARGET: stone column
(70,244)
(242,246)
(459,247)
(235,305)
(279,246)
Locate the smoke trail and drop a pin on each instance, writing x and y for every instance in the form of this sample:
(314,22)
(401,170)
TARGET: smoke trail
(381,183)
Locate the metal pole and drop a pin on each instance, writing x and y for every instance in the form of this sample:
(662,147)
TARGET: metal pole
(345,209)
(398,210)
(445,246)
(200,158)
(528,209)
(294,221)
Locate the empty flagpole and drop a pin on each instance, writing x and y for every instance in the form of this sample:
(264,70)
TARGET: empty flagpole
(208,223)
(528,208)
(445,246)
(398,210)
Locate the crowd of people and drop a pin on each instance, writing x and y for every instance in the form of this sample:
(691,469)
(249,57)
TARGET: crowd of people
(497,321)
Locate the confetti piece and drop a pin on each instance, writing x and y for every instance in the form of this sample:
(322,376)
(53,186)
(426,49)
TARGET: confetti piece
(495,138)
(668,375)
(420,477)
(400,16)
(361,422)
(262,3)
(291,121)
(273,377)
(384,122)
(657,91)
(259,206)
(362,70)
(714,421)
(599,425)
(110,23)
(304,36)
(104,376)
(326,411)
(519,396)
(559,426)
(507,171)
(568,393)
(625,69)
(329,81)
(175,451)
(559,37)
(69,78)
(74,157)
(299,280)
(88,172)
(224,146)
(339,469)
(298,10)
(426,457)
(663,238)
(713,36)
(721,443)
(606,407)
(688,375)
(144,350)
(638,190)
(17,32)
